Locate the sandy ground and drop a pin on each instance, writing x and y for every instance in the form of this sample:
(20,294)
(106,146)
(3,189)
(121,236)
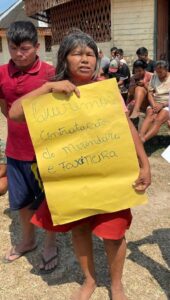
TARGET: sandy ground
(147,267)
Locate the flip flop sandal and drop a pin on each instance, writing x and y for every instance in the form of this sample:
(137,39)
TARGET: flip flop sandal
(18,254)
(43,271)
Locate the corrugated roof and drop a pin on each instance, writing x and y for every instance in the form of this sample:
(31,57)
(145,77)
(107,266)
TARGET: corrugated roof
(16,13)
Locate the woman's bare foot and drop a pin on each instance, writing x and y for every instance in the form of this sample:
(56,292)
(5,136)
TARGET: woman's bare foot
(135,114)
(118,294)
(85,291)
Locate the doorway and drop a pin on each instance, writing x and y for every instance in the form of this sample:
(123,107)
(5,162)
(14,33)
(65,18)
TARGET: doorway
(163,30)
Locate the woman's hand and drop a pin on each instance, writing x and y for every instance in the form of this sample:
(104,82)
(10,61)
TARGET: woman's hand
(16,112)
(157,107)
(143,181)
(140,83)
(64,86)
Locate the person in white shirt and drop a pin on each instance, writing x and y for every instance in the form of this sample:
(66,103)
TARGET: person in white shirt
(119,54)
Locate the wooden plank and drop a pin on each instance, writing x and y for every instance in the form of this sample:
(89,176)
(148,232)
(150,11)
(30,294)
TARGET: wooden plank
(133,26)
(41,32)
(162,29)
(33,7)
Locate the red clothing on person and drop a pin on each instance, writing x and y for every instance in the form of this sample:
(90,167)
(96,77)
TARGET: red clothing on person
(14,84)
(108,226)
(146,79)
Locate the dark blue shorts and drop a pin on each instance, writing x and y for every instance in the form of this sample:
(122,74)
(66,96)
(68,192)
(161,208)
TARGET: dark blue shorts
(24,184)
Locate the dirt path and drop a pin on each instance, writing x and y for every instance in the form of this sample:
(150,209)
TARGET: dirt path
(147,268)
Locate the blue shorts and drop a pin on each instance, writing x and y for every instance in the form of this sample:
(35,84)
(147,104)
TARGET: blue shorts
(24,184)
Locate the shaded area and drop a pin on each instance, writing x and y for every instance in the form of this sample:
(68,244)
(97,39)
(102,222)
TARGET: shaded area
(157,143)
(68,270)
(160,273)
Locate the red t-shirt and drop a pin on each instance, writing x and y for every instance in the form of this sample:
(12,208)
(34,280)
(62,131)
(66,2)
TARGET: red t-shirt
(14,84)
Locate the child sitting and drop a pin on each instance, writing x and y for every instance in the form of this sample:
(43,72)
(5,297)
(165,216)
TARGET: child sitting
(138,90)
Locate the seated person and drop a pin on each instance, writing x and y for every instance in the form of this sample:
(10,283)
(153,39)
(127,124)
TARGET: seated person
(3,169)
(104,60)
(167,104)
(138,90)
(142,54)
(112,52)
(104,64)
(119,54)
(121,72)
(158,95)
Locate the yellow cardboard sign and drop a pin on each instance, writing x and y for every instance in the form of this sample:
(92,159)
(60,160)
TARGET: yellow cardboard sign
(84,151)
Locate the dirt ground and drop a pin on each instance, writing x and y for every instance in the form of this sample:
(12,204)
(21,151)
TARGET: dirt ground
(147,267)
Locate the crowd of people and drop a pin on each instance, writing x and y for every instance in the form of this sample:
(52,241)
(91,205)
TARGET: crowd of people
(145,90)
(80,62)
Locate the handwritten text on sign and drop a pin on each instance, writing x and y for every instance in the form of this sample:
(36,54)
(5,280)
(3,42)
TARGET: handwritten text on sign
(85,152)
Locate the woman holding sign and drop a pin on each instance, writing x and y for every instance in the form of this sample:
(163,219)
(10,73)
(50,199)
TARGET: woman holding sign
(78,65)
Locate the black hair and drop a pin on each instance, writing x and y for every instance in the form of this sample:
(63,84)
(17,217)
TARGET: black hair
(22,31)
(162,64)
(113,49)
(73,30)
(142,51)
(119,51)
(140,64)
(69,43)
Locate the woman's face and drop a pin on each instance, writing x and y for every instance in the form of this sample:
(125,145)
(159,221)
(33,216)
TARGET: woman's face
(139,73)
(143,57)
(81,64)
(161,72)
